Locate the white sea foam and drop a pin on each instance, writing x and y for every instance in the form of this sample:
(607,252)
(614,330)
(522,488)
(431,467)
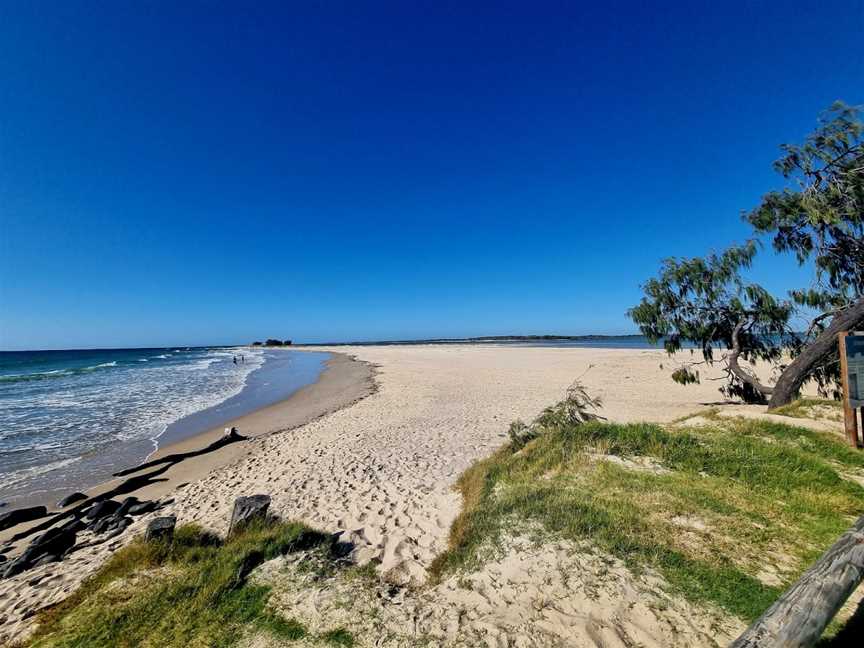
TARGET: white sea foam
(28,473)
(86,411)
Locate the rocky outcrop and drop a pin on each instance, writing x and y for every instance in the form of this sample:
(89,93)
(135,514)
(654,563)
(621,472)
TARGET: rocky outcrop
(143,507)
(105,519)
(112,523)
(17,516)
(71,499)
(48,547)
(102,509)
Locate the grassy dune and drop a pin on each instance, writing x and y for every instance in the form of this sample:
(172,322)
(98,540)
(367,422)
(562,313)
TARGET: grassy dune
(729,513)
(191,592)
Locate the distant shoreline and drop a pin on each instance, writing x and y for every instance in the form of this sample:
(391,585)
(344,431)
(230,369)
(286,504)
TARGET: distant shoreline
(486,338)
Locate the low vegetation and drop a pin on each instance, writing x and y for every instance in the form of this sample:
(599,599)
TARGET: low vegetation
(812,408)
(729,512)
(189,592)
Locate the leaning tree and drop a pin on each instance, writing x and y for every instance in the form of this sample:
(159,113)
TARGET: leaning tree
(819,218)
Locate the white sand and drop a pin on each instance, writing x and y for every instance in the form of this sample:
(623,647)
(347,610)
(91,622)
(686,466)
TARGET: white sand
(383,469)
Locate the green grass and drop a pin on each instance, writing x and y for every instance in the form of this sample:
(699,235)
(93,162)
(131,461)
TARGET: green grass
(766,493)
(812,408)
(187,593)
(338,637)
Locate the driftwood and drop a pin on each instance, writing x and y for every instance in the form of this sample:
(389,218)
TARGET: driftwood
(799,617)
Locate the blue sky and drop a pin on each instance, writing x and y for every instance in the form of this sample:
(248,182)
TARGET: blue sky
(204,173)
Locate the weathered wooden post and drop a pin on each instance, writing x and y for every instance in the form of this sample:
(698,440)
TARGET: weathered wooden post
(798,618)
(247,509)
(161,528)
(850,417)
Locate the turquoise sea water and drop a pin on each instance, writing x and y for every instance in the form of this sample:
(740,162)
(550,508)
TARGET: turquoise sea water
(71,418)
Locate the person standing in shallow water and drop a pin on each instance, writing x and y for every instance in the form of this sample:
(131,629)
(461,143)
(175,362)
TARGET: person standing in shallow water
(234,359)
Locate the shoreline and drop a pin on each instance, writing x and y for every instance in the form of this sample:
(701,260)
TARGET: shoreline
(93,427)
(282,373)
(342,382)
(387,433)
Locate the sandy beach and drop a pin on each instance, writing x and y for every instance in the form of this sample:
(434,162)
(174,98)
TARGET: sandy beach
(373,449)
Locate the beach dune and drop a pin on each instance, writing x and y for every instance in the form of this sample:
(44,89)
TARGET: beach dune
(390,432)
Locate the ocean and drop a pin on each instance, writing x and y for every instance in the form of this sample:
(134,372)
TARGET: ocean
(72,418)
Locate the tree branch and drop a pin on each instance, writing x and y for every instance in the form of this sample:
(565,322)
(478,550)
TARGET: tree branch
(737,369)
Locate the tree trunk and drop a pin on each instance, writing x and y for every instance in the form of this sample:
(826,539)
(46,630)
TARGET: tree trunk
(740,372)
(786,389)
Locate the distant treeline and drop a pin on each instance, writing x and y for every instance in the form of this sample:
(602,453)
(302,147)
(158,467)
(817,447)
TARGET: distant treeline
(272,342)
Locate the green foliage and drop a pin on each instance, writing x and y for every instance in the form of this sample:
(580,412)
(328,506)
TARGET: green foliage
(520,434)
(189,592)
(685,376)
(819,219)
(823,217)
(762,489)
(575,409)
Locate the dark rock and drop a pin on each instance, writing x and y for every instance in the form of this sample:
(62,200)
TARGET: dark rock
(55,541)
(161,528)
(247,509)
(74,526)
(102,509)
(3,558)
(71,499)
(111,523)
(48,547)
(118,527)
(142,508)
(17,516)
(127,504)
(47,558)
(102,525)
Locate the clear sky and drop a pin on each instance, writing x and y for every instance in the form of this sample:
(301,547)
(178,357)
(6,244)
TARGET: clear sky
(204,173)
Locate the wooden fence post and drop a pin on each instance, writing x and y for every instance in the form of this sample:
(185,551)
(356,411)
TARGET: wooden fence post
(850,417)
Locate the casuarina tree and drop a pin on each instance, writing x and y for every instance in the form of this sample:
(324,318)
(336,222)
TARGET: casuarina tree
(818,217)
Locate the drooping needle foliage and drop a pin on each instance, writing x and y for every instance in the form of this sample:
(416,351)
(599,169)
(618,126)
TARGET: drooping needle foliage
(819,218)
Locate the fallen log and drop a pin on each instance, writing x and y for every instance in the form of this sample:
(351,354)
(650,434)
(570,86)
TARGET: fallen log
(800,615)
